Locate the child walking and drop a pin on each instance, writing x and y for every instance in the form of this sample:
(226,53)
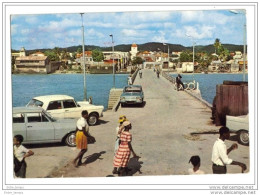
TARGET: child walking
(20,153)
(195,161)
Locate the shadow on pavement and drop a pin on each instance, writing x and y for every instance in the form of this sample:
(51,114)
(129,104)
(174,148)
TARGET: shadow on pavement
(93,157)
(134,105)
(134,166)
(100,122)
(46,145)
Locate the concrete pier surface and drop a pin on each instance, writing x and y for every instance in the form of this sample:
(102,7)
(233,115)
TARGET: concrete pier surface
(170,128)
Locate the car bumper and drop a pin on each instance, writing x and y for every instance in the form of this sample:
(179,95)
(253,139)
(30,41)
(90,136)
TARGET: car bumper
(131,102)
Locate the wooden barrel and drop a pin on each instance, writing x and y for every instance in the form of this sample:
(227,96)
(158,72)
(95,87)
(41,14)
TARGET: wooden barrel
(231,99)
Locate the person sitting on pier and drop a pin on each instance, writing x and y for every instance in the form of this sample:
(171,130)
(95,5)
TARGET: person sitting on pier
(220,153)
(179,82)
(195,161)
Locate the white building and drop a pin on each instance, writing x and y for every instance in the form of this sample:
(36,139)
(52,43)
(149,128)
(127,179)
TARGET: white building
(187,67)
(134,51)
(238,55)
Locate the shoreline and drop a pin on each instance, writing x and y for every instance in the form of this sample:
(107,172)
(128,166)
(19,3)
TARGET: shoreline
(71,72)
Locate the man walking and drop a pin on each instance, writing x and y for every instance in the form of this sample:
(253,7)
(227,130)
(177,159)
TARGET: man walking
(220,153)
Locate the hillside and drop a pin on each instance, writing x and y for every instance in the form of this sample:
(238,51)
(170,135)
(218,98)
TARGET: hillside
(151,46)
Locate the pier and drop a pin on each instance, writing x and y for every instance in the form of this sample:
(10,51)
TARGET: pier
(171,127)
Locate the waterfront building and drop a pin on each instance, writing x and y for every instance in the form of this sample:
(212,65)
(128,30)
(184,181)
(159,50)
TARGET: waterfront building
(147,56)
(88,59)
(187,67)
(32,64)
(214,66)
(238,55)
(120,59)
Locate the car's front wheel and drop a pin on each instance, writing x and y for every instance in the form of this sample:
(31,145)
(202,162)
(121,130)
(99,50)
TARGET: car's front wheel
(70,139)
(93,119)
(243,137)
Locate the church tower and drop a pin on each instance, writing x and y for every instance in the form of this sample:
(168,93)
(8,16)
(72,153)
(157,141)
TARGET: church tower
(22,52)
(133,51)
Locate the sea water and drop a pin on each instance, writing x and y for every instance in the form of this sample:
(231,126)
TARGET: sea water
(25,87)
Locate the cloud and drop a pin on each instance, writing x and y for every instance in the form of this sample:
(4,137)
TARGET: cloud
(189,16)
(94,33)
(205,17)
(160,37)
(136,33)
(25,31)
(99,24)
(14,28)
(196,32)
(152,16)
(129,33)
(75,32)
(31,19)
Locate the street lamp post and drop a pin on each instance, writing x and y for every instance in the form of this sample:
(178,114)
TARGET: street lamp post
(84,66)
(168,57)
(113,60)
(244,42)
(193,46)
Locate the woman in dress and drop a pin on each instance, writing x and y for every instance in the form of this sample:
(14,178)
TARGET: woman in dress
(123,154)
(81,137)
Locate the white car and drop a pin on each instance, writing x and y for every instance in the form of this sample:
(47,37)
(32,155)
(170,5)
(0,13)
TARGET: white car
(239,125)
(36,126)
(64,106)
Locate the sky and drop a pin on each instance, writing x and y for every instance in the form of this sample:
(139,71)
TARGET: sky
(46,31)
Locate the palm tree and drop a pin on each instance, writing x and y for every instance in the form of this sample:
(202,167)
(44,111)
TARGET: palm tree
(57,52)
(217,44)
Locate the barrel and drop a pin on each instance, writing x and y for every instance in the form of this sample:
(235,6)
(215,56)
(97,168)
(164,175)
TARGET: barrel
(231,99)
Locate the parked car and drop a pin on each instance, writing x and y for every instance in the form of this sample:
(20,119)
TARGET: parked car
(239,125)
(64,106)
(132,94)
(37,126)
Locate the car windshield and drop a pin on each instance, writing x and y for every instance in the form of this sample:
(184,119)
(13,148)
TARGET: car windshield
(35,102)
(133,89)
(48,115)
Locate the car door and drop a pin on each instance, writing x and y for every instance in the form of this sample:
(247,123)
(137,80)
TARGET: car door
(19,126)
(71,109)
(55,109)
(39,128)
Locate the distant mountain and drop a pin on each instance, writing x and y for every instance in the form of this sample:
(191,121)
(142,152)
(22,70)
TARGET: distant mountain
(151,46)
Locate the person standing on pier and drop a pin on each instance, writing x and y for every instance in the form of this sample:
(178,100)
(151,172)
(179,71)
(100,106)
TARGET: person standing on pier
(81,137)
(158,73)
(119,130)
(220,153)
(140,73)
(179,82)
(124,151)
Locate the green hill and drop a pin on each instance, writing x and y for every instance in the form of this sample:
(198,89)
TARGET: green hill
(151,46)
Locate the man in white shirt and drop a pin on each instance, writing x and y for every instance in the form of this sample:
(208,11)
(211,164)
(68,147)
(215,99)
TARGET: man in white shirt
(220,153)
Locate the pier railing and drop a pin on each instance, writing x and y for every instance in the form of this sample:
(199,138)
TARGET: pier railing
(168,77)
(191,88)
